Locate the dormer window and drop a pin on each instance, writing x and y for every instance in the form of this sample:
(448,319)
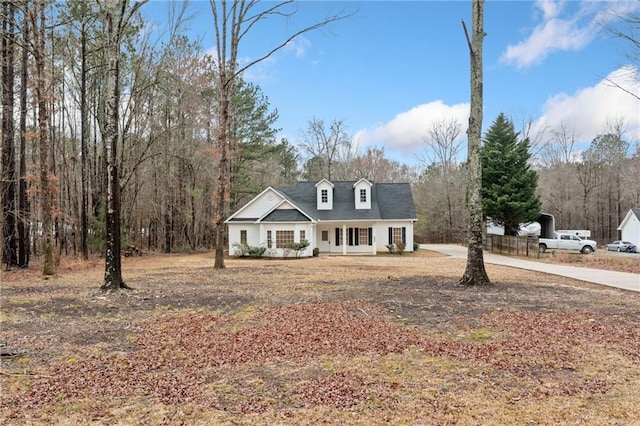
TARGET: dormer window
(324,195)
(362,194)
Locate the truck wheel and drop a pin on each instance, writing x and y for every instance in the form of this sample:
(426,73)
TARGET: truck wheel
(587,250)
(542,248)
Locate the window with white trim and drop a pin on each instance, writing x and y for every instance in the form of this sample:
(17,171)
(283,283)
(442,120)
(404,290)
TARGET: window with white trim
(303,235)
(324,196)
(269,239)
(363,237)
(363,195)
(243,236)
(397,235)
(283,238)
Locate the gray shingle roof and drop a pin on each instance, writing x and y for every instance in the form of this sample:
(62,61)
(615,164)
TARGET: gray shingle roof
(388,201)
(285,215)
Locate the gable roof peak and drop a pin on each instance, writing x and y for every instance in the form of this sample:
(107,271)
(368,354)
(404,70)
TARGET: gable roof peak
(324,180)
(362,180)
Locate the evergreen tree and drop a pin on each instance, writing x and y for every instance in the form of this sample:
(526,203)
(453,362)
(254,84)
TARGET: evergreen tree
(508,183)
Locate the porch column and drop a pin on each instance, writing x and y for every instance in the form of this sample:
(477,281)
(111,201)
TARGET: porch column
(373,241)
(344,239)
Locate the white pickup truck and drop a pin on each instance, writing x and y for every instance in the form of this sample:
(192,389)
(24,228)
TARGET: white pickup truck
(567,242)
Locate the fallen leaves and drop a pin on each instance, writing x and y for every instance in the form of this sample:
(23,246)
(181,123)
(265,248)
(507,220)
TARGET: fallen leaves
(176,354)
(176,351)
(301,347)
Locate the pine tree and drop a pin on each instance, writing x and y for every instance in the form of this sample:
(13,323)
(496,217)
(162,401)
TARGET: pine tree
(508,183)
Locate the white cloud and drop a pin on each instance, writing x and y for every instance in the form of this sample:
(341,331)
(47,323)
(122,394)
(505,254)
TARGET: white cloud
(550,8)
(261,73)
(590,110)
(555,33)
(299,46)
(404,133)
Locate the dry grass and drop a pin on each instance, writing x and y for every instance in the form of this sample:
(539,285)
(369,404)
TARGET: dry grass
(605,260)
(329,340)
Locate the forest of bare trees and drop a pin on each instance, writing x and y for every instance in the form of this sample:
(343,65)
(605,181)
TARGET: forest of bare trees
(96,106)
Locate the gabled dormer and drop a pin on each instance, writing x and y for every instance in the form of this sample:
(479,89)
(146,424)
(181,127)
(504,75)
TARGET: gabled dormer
(324,194)
(362,194)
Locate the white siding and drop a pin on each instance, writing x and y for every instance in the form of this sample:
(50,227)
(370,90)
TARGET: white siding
(324,185)
(257,236)
(380,236)
(253,235)
(259,205)
(307,227)
(362,184)
(382,231)
(631,229)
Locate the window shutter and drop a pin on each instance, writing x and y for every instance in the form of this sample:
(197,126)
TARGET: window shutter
(350,234)
(370,242)
(390,235)
(404,235)
(337,236)
(356,236)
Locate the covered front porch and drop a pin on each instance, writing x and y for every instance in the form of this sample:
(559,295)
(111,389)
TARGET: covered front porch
(346,238)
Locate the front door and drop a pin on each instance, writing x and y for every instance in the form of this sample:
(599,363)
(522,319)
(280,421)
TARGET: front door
(324,240)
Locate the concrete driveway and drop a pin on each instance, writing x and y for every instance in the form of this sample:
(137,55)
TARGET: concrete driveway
(624,280)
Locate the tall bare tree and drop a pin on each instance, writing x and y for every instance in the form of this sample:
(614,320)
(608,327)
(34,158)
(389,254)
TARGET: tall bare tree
(325,145)
(82,14)
(373,165)
(23,198)
(475,273)
(443,146)
(232,21)
(117,18)
(443,143)
(626,27)
(560,149)
(37,21)
(8,167)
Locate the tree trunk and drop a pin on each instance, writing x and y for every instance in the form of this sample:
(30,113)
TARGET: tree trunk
(42,95)
(23,200)
(113,260)
(475,273)
(84,124)
(221,190)
(9,177)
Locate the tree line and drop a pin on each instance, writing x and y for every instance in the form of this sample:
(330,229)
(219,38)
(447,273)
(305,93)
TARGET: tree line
(114,135)
(590,186)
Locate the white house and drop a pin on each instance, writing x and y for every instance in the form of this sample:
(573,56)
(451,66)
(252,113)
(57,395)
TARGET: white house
(630,227)
(341,217)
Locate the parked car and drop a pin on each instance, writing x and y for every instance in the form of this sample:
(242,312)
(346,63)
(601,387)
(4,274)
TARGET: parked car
(567,242)
(631,248)
(619,245)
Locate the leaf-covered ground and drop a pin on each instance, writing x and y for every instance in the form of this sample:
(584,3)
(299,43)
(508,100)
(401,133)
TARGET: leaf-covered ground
(329,340)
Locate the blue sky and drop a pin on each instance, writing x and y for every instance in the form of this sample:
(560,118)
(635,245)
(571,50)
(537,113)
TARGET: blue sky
(394,67)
